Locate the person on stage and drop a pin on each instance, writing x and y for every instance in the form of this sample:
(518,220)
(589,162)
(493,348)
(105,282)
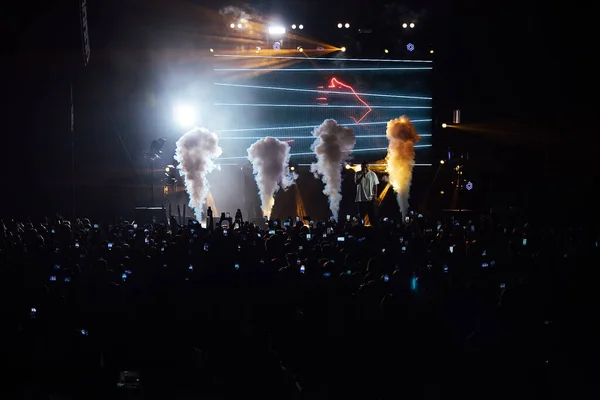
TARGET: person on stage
(366,192)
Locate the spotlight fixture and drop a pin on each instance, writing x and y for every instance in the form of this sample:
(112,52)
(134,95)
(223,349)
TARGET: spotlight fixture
(300,26)
(300,49)
(442,162)
(232,25)
(405,25)
(276,30)
(340,25)
(239,26)
(343,49)
(444,125)
(294,26)
(412,25)
(430,51)
(410,47)
(386,51)
(347,25)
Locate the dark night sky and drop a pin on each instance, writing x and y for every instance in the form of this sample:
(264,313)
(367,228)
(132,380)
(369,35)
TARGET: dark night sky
(507,64)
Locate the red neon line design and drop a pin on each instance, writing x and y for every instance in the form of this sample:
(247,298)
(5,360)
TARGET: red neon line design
(332,84)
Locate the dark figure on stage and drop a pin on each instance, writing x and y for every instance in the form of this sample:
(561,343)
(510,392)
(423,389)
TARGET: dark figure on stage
(366,192)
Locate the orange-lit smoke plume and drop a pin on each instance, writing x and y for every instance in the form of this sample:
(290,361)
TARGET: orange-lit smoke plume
(400,159)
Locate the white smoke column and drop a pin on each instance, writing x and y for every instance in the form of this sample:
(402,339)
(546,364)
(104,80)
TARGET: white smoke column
(332,146)
(400,159)
(195,152)
(270,159)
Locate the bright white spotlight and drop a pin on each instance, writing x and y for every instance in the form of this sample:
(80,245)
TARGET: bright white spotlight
(300,26)
(184,115)
(212,50)
(386,51)
(239,26)
(294,26)
(340,25)
(276,30)
(347,25)
(412,25)
(232,25)
(343,49)
(405,25)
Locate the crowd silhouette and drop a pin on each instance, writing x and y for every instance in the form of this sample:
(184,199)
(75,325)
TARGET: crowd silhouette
(471,307)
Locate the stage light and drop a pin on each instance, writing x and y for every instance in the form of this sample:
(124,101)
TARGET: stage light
(386,51)
(167,169)
(444,125)
(276,30)
(410,47)
(300,26)
(442,162)
(469,185)
(239,26)
(340,25)
(412,25)
(430,51)
(300,49)
(184,115)
(348,166)
(441,192)
(343,49)
(294,26)
(405,25)
(347,25)
(292,168)
(212,50)
(377,60)
(232,25)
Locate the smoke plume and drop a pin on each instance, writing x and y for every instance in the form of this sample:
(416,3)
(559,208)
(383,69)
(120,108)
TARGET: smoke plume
(195,152)
(270,158)
(332,146)
(400,159)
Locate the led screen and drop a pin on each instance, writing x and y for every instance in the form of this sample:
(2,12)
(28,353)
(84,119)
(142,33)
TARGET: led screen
(287,96)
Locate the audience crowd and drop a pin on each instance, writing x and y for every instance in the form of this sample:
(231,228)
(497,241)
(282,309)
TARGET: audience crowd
(488,307)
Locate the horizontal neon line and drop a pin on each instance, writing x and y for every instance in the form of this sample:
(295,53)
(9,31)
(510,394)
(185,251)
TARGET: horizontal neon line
(315,106)
(312,153)
(277,128)
(392,96)
(302,137)
(324,58)
(323,69)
